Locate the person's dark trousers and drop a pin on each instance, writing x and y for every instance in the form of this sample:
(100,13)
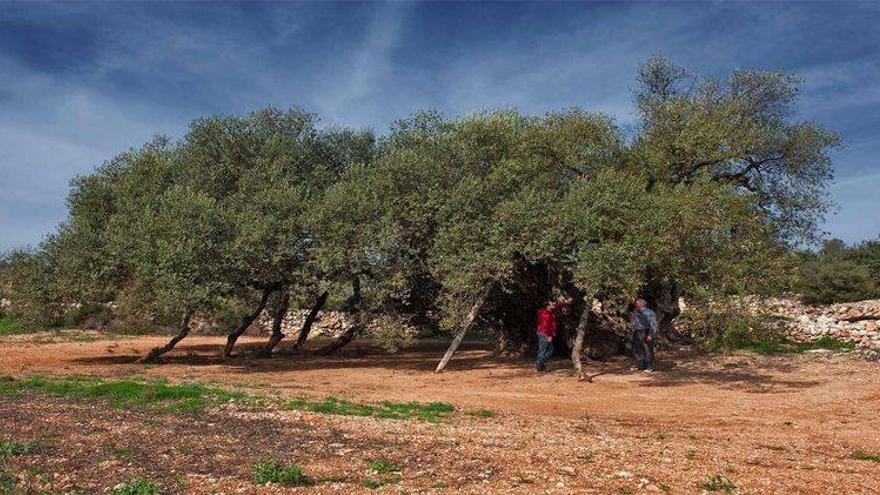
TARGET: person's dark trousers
(643,349)
(545,350)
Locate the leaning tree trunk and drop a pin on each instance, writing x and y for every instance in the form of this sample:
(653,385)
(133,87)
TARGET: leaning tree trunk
(245,323)
(579,345)
(353,306)
(277,323)
(310,320)
(468,323)
(340,342)
(158,351)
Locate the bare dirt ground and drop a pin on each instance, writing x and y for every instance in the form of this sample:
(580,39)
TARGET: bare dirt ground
(787,424)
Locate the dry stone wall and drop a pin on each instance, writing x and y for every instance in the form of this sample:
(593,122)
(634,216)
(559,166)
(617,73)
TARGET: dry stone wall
(857,322)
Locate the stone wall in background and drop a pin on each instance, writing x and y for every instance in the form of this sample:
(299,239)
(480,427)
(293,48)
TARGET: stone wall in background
(857,322)
(328,323)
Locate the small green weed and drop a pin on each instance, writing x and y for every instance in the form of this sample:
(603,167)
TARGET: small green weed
(373,483)
(718,482)
(137,486)
(121,451)
(8,483)
(862,456)
(280,473)
(383,466)
(481,413)
(14,448)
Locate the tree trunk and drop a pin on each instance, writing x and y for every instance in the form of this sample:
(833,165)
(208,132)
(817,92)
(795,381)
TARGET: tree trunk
(277,322)
(579,345)
(158,351)
(341,342)
(245,323)
(471,317)
(353,307)
(310,320)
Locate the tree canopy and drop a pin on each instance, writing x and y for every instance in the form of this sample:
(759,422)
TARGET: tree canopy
(707,197)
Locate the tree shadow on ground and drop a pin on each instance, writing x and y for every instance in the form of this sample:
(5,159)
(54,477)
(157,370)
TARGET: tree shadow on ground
(676,366)
(424,356)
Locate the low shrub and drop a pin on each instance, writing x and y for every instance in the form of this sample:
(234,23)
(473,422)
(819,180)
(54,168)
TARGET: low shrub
(137,486)
(280,473)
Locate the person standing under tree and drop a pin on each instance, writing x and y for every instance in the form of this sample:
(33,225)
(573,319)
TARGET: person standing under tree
(644,327)
(547,330)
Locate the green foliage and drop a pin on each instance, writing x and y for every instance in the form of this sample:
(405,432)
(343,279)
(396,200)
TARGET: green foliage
(731,326)
(840,273)
(8,326)
(432,411)
(386,473)
(861,456)
(15,448)
(281,474)
(482,413)
(708,195)
(137,486)
(8,483)
(718,482)
(129,394)
(383,466)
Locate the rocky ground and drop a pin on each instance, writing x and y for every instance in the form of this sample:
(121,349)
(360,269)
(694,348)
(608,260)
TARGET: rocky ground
(788,424)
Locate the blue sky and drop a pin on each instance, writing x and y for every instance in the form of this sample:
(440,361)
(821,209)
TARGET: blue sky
(80,82)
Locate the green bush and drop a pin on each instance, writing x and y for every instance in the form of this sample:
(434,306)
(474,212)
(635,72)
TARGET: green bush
(280,473)
(8,326)
(730,326)
(137,486)
(840,273)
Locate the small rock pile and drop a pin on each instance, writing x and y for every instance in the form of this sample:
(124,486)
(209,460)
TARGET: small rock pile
(857,322)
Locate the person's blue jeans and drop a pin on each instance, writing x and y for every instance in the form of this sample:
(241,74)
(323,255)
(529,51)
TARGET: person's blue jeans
(545,349)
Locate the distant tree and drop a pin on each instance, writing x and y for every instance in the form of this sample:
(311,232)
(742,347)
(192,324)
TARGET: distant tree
(839,273)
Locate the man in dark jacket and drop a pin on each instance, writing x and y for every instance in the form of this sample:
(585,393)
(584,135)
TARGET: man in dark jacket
(644,327)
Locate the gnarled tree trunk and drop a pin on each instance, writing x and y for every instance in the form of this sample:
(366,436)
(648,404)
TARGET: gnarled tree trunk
(579,345)
(340,342)
(310,320)
(158,351)
(353,307)
(277,323)
(245,323)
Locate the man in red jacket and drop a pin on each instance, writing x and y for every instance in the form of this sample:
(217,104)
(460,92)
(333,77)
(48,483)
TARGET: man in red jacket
(547,330)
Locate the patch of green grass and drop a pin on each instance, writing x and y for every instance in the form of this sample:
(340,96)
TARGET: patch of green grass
(281,474)
(373,483)
(15,448)
(481,413)
(432,411)
(137,486)
(862,456)
(383,466)
(8,483)
(772,347)
(128,394)
(121,451)
(8,326)
(718,482)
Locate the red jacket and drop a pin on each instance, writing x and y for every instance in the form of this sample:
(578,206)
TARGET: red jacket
(547,319)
